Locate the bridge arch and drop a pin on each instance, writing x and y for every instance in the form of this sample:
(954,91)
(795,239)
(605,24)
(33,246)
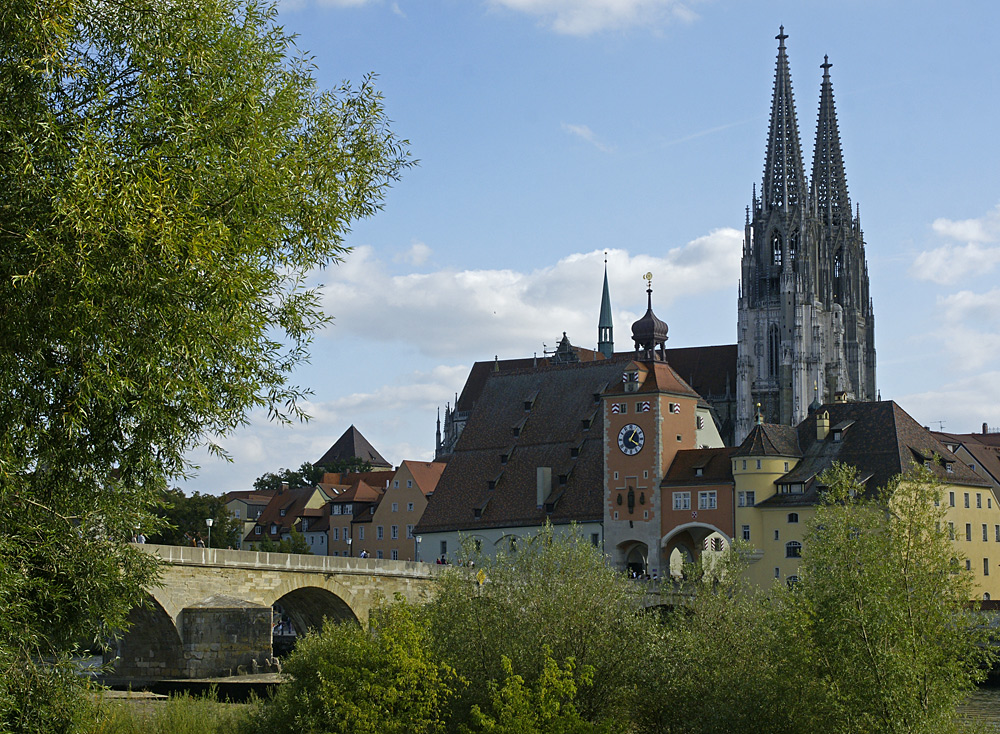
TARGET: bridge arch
(150,647)
(684,543)
(307,606)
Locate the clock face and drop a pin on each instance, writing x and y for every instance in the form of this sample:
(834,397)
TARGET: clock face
(630,439)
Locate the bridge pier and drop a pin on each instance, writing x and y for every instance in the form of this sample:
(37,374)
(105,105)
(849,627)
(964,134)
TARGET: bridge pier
(218,636)
(210,613)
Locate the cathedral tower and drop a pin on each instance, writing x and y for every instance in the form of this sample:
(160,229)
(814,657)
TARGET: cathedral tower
(805,327)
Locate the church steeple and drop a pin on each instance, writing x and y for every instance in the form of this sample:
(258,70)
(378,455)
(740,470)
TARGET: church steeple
(605,327)
(805,328)
(784,180)
(829,182)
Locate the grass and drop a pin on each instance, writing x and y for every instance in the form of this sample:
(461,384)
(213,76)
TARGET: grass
(181,714)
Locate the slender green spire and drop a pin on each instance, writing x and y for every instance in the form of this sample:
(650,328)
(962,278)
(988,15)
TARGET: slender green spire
(605,327)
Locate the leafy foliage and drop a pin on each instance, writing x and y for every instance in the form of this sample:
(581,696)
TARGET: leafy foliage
(719,660)
(294,543)
(380,680)
(555,592)
(881,612)
(547,708)
(168,175)
(184,519)
(306,476)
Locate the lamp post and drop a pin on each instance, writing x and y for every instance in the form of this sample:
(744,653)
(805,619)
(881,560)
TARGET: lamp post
(349,542)
(416,547)
(209,521)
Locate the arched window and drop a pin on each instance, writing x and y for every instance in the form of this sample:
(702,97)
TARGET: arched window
(837,267)
(773,350)
(793,517)
(776,250)
(793,245)
(793,549)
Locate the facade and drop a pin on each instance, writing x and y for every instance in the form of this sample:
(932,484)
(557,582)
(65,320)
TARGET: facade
(282,515)
(805,326)
(979,451)
(246,506)
(399,511)
(776,479)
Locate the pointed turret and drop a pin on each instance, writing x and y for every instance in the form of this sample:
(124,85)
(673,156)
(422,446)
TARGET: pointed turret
(829,182)
(605,327)
(784,182)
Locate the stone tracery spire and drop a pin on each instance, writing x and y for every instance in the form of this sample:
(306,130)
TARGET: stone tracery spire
(829,181)
(784,180)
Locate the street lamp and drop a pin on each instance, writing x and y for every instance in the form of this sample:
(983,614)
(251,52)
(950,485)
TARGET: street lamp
(349,542)
(416,547)
(209,521)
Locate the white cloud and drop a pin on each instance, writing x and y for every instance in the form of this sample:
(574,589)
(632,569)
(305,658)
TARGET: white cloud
(951,262)
(398,10)
(457,313)
(983,229)
(584,17)
(963,405)
(416,255)
(585,133)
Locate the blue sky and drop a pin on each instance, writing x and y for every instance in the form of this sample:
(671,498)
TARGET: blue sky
(551,131)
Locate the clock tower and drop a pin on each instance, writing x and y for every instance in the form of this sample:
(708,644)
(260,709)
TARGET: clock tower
(649,415)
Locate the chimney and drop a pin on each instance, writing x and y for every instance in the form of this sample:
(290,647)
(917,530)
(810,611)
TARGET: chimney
(284,488)
(822,425)
(543,480)
(986,429)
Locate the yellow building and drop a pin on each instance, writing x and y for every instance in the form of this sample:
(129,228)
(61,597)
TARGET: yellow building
(776,469)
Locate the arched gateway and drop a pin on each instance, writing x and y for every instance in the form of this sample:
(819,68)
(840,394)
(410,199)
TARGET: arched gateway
(211,612)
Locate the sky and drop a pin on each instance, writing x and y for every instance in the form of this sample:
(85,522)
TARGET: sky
(551,132)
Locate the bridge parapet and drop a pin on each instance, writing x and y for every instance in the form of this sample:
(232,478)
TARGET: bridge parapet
(180,555)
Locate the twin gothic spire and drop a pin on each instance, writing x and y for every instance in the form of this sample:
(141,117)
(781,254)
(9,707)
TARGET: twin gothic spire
(784,174)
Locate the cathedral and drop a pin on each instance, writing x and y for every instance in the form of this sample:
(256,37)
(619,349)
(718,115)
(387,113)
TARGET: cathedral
(805,328)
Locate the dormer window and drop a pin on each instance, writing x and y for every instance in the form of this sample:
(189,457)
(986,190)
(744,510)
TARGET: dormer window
(699,472)
(282,513)
(574,452)
(837,436)
(503,458)
(631,380)
(585,423)
(492,484)
(562,480)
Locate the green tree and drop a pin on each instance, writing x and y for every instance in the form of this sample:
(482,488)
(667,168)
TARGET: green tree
(547,708)
(718,660)
(183,518)
(881,613)
(306,476)
(380,680)
(557,592)
(168,175)
(294,543)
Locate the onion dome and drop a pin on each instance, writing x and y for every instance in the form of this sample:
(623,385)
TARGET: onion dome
(649,332)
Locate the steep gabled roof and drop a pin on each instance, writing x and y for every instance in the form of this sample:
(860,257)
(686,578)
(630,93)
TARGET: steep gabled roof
(283,511)
(426,474)
(352,445)
(692,467)
(768,439)
(504,444)
(880,439)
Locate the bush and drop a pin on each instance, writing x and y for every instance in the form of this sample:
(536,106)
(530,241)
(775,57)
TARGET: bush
(379,680)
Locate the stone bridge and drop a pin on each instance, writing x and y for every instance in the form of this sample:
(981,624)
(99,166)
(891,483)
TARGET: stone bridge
(211,613)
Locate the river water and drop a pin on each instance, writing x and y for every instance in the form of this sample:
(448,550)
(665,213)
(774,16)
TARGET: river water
(984,706)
